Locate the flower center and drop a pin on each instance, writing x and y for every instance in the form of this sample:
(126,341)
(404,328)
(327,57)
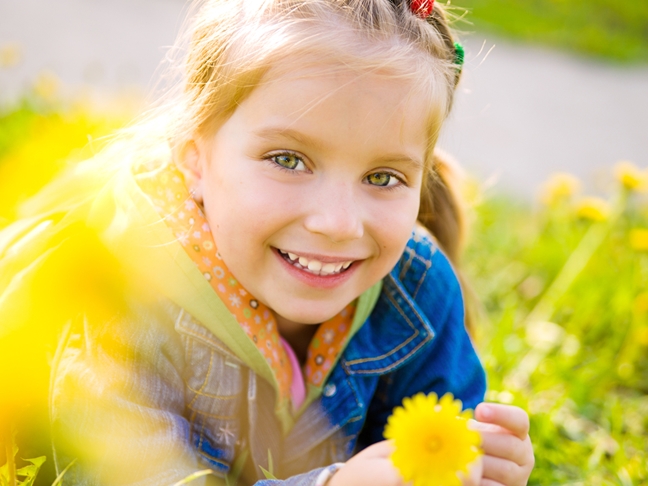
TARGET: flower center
(434,444)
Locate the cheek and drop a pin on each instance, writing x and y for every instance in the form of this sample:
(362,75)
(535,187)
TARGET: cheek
(242,207)
(221,208)
(393,226)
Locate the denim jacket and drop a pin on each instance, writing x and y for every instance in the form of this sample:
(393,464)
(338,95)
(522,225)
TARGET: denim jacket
(148,394)
(152,404)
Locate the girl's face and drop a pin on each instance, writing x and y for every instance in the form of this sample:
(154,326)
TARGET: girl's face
(311,187)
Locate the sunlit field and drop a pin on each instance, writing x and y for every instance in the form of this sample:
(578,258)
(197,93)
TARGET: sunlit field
(560,293)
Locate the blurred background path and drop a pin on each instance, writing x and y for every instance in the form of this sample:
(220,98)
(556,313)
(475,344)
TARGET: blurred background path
(521,113)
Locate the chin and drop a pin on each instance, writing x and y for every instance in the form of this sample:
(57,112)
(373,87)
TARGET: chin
(309,317)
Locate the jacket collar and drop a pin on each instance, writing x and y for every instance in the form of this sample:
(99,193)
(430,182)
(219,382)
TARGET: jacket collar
(396,330)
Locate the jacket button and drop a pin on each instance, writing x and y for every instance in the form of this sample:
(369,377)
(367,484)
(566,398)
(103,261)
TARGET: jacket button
(329,390)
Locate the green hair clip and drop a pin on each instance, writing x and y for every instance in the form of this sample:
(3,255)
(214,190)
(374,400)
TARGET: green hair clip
(459,55)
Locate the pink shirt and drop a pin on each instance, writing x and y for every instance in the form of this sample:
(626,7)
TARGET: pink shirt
(297,387)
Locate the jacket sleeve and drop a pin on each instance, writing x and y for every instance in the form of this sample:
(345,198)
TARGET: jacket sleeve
(117,403)
(448,363)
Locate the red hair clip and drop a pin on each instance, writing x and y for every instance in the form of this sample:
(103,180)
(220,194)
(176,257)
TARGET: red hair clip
(422,8)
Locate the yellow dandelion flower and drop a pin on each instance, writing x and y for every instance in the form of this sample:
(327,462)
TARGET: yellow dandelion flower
(432,439)
(560,187)
(47,86)
(630,176)
(639,239)
(10,54)
(593,208)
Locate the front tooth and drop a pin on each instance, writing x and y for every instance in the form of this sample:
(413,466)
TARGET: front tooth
(328,268)
(292,256)
(303,261)
(346,265)
(314,266)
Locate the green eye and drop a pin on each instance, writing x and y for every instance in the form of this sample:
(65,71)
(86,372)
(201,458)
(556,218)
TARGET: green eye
(288,161)
(382,179)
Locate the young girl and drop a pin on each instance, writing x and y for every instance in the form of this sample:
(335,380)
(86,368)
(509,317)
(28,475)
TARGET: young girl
(278,294)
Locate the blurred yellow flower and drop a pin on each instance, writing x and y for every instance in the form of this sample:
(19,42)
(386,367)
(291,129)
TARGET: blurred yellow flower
(641,335)
(630,176)
(47,86)
(53,142)
(639,239)
(432,439)
(10,54)
(641,303)
(593,208)
(472,192)
(37,304)
(560,186)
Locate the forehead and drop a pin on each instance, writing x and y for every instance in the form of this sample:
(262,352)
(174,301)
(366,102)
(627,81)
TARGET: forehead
(334,102)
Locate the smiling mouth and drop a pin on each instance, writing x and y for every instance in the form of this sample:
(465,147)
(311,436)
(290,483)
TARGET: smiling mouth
(315,267)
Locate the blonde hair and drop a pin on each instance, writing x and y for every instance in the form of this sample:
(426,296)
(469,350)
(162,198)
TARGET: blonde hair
(235,42)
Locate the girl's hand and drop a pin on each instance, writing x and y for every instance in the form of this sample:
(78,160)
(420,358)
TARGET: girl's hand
(508,454)
(373,467)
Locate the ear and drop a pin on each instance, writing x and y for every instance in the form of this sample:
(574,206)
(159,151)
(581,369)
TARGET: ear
(190,158)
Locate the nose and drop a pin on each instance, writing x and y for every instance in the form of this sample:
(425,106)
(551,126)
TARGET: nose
(335,213)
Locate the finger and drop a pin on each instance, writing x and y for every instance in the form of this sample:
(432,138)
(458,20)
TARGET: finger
(381,450)
(505,446)
(489,482)
(476,471)
(375,471)
(503,471)
(474,474)
(483,427)
(508,416)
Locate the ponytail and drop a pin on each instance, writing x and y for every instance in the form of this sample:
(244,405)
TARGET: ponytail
(442,212)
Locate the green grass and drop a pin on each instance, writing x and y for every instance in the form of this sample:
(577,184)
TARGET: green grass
(616,30)
(580,367)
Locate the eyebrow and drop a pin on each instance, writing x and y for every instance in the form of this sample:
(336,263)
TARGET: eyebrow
(272,133)
(401,159)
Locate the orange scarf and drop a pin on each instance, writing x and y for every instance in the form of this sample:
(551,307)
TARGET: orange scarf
(170,197)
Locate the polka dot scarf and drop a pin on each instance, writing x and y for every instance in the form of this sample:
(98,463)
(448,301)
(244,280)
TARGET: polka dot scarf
(170,197)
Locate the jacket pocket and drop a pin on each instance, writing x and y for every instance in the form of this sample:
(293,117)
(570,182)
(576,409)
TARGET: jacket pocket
(214,384)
